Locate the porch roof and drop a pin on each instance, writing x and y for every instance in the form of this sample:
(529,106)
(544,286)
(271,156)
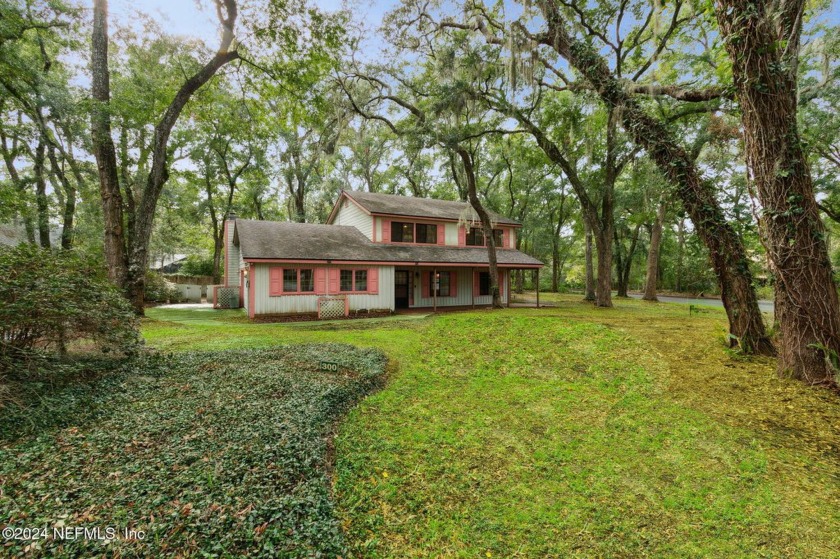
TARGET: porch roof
(272,240)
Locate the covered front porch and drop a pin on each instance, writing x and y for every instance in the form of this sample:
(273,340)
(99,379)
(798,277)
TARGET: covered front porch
(429,286)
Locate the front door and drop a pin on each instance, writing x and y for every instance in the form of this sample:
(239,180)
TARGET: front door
(401,278)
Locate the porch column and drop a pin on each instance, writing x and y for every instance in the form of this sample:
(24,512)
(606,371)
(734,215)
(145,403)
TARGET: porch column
(434,289)
(507,280)
(538,288)
(472,285)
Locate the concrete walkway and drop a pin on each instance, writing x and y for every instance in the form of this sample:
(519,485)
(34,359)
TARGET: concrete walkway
(184,306)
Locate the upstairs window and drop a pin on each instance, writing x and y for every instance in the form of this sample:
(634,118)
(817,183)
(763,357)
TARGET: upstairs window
(402,232)
(425,233)
(475,237)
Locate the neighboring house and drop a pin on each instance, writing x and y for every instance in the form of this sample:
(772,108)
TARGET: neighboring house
(376,252)
(168,264)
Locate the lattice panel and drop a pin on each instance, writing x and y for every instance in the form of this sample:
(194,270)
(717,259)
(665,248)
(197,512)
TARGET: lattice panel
(331,307)
(227,297)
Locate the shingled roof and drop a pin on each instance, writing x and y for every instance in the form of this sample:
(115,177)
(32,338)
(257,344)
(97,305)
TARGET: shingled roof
(412,206)
(272,240)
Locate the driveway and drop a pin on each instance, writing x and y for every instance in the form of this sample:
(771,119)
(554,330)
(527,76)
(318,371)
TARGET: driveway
(764,305)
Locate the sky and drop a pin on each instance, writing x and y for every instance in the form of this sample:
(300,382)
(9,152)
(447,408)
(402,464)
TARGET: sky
(197,18)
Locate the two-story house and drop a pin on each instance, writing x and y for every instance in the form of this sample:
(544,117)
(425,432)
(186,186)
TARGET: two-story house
(376,252)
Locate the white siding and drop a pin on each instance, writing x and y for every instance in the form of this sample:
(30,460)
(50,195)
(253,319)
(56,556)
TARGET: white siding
(350,214)
(463,295)
(512,234)
(377,223)
(300,304)
(451,234)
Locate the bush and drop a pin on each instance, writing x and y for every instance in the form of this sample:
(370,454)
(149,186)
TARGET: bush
(197,266)
(50,298)
(159,290)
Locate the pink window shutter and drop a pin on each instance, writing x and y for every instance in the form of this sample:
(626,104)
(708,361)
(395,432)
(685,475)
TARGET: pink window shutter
(505,238)
(476,283)
(441,233)
(425,278)
(462,236)
(334,275)
(386,230)
(320,280)
(373,280)
(275,280)
(453,284)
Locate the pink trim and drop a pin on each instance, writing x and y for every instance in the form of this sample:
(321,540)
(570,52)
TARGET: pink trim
(346,306)
(385,263)
(397,217)
(440,233)
(275,281)
(373,229)
(386,230)
(373,281)
(241,288)
(251,291)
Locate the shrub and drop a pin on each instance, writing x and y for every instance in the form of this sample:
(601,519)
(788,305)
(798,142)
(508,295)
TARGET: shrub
(159,290)
(49,298)
(197,266)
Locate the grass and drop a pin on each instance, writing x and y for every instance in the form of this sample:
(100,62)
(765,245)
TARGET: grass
(209,454)
(566,432)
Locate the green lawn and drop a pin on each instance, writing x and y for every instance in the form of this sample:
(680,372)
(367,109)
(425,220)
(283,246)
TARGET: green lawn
(567,431)
(558,432)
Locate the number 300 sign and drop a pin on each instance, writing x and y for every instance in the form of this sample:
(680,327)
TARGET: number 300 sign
(329,366)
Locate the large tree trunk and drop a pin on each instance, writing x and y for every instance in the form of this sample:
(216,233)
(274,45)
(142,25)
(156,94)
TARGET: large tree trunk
(486,224)
(746,324)
(589,293)
(763,47)
(69,210)
(103,148)
(604,249)
(624,265)
(653,254)
(131,274)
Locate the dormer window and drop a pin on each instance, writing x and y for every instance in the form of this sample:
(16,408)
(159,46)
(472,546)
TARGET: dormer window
(424,233)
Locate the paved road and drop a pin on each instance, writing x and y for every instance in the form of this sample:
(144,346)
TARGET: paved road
(765,306)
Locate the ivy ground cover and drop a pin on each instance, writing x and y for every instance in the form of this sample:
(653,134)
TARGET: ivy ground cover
(199,454)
